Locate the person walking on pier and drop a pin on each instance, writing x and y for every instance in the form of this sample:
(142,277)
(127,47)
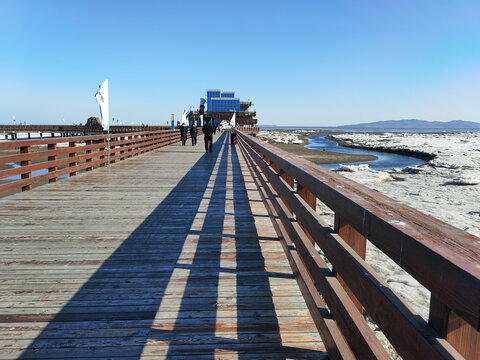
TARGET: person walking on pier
(183,133)
(193,133)
(208,134)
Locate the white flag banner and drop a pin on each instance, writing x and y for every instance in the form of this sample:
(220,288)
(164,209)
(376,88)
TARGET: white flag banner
(232,121)
(102,98)
(184,118)
(201,120)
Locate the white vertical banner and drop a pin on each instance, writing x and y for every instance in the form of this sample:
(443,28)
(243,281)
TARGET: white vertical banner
(184,118)
(232,121)
(102,98)
(201,120)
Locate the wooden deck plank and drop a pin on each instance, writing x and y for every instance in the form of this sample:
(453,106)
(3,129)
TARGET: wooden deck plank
(169,254)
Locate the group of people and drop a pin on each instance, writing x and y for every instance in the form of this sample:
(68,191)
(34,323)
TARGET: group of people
(193,133)
(208,130)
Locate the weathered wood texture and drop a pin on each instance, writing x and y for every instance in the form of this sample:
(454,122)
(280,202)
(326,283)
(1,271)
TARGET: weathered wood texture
(444,259)
(170,254)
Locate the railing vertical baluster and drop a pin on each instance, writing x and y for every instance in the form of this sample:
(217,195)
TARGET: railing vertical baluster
(137,144)
(460,334)
(275,167)
(87,143)
(156,139)
(126,145)
(306,195)
(112,147)
(130,143)
(102,157)
(358,243)
(311,200)
(26,175)
(288,179)
(122,146)
(72,144)
(52,158)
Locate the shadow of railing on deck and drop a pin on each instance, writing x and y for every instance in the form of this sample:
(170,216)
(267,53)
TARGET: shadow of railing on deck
(164,279)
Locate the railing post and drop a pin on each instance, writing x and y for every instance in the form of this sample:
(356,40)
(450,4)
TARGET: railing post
(102,157)
(288,179)
(122,146)
(156,142)
(275,167)
(143,138)
(72,144)
(87,143)
(358,243)
(52,158)
(112,161)
(460,334)
(26,175)
(130,144)
(137,144)
(311,200)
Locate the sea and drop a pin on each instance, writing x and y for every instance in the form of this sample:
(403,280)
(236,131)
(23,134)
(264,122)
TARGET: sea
(385,161)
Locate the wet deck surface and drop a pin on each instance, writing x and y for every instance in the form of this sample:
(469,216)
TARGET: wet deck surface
(168,255)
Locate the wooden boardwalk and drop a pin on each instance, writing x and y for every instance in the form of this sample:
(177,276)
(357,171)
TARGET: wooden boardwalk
(167,255)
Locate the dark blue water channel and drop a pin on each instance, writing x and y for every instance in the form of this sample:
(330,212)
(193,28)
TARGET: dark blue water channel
(385,160)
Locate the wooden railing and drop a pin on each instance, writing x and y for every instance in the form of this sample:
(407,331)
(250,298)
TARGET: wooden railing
(79,128)
(78,153)
(249,129)
(444,259)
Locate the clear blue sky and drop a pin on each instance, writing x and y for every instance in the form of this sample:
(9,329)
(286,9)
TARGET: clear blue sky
(317,63)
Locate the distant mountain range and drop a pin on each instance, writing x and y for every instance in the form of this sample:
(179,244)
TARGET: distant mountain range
(417,124)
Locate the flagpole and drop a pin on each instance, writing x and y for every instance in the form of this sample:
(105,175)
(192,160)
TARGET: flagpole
(108,153)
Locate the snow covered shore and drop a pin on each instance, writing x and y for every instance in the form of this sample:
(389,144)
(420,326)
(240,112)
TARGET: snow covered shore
(284,137)
(447,187)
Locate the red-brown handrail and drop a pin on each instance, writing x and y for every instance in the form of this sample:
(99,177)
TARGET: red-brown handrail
(442,258)
(82,153)
(79,128)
